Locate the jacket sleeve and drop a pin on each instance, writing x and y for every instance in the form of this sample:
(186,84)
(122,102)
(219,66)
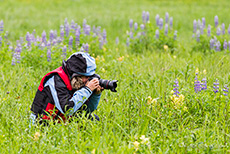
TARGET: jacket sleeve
(93,102)
(62,96)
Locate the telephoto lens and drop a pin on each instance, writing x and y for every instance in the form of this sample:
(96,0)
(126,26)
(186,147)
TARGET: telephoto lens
(106,84)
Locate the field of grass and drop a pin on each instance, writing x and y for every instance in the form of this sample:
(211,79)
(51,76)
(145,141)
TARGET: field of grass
(143,116)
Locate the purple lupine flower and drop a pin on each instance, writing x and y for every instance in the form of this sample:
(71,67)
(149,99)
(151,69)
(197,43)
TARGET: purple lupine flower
(49,55)
(54,42)
(77,39)
(131,34)
(87,29)
(51,35)
(225,45)
(84,23)
(64,52)
(70,41)
(166,29)
(147,17)
(157,19)
(142,26)
(131,23)
(216,86)
(201,30)
(117,40)
(143,16)
(44,37)
(175,35)
(203,22)
(212,41)
(72,25)
(104,35)
(18,51)
(216,20)
(218,31)
(1,26)
(135,26)
(61,27)
(67,29)
(204,84)
(28,39)
(197,84)
(198,36)
(166,17)
(157,33)
(86,47)
(48,44)
(226,90)
(127,42)
(171,22)
(194,26)
(229,29)
(223,28)
(175,89)
(62,33)
(217,45)
(101,43)
(161,23)
(209,30)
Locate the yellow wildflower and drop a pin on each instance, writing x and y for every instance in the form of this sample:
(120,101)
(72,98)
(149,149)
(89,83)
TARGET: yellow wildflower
(36,136)
(149,100)
(136,144)
(117,49)
(174,57)
(121,58)
(97,58)
(166,47)
(104,49)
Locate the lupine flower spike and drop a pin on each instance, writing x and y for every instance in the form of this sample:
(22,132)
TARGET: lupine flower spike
(175,89)
(197,84)
(216,86)
(204,84)
(226,90)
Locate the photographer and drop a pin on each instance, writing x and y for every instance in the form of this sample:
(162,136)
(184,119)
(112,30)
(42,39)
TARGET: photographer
(67,89)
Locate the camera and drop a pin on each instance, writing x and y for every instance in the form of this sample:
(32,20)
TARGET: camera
(106,84)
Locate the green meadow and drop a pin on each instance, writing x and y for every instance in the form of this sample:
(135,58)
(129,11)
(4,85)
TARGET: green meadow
(143,116)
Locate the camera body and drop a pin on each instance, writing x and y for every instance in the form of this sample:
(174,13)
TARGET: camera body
(106,84)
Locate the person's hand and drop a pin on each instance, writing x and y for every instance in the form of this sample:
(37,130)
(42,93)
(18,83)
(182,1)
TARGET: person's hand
(98,90)
(92,84)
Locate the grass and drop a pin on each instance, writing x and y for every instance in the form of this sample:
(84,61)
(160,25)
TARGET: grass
(125,115)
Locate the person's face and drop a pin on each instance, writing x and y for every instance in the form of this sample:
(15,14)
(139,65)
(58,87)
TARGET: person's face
(85,79)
